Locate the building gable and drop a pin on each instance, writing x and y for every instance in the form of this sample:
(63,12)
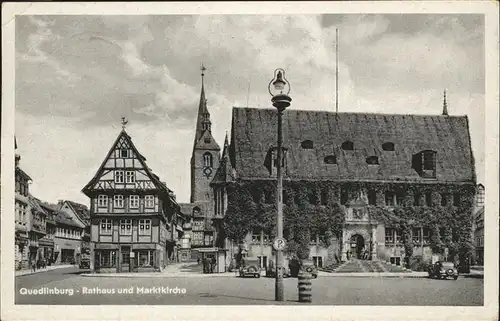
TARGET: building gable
(124,168)
(66,208)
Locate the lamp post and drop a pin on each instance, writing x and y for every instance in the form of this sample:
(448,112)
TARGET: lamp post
(279,88)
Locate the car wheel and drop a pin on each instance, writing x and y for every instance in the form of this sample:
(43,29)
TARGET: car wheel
(257,275)
(455,278)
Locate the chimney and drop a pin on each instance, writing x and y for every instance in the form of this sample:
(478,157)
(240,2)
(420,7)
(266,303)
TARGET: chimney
(18,158)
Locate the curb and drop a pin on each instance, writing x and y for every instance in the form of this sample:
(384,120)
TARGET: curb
(45,270)
(159,275)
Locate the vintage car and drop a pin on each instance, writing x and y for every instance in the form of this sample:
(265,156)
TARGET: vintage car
(271,270)
(250,268)
(443,270)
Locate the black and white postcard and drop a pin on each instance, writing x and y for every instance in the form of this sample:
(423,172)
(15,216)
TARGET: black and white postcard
(252,160)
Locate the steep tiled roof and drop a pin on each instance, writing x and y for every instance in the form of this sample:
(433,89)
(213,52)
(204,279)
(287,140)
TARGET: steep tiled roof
(35,204)
(81,211)
(254,132)
(64,218)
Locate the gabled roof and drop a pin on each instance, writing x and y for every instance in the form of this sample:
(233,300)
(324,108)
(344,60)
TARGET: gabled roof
(225,172)
(35,204)
(254,132)
(64,218)
(153,177)
(80,210)
(22,174)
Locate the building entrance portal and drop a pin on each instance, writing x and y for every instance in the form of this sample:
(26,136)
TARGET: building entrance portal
(358,246)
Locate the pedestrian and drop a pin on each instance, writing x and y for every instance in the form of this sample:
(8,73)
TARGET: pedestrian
(33,265)
(198,260)
(213,264)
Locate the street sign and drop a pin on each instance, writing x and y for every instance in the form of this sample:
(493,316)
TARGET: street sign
(279,243)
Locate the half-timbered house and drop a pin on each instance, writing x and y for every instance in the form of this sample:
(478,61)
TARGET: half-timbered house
(133,214)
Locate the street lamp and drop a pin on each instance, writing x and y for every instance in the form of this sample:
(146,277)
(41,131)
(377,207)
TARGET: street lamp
(279,88)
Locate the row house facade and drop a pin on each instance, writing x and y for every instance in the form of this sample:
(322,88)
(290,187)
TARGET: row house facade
(22,214)
(135,221)
(43,231)
(479,226)
(360,161)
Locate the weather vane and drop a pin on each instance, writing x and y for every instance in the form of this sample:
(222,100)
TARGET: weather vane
(124,122)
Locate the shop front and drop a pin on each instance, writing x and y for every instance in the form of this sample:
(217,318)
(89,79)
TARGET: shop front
(66,251)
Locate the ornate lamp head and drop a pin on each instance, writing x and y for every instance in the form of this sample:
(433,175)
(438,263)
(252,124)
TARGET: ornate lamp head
(279,85)
(279,88)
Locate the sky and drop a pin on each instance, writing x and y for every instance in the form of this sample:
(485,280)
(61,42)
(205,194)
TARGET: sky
(76,76)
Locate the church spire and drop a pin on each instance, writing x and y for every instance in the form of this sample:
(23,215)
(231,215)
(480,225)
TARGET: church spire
(203,122)
(225,149)
(445,105)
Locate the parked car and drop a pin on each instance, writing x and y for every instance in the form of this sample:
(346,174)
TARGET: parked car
(251,267)
(443,270)
(271,270)
(309,267)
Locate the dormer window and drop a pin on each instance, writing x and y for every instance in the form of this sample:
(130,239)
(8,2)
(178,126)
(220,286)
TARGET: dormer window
(330,159)
(372,160)
(424,163)
(388,146)
(307,144)
(348,145)
(207,140)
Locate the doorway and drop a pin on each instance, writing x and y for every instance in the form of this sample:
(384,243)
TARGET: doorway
(125,264)
(357,245)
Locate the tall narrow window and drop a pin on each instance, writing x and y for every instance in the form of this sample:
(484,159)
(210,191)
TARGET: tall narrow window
(330,159)
(389,235)
(130,177)
(456,199)
(398,236)
(444,199)
(207,160)
(324,196)
(134,201)
(119,177)
(102,201)
(417,197)
(372,197)
(390,198)
(344,196)
(348,145)
(416,237)
(118,200)
(428,199)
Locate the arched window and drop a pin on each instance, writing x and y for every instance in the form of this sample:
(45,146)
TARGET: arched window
(372,160)
(207,160)
(330,159)
(307,144)
(348,145)
(388,146)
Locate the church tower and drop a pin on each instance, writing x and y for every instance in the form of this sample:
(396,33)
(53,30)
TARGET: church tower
(206,153)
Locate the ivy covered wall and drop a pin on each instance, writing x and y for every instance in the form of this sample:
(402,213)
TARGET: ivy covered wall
(318,207)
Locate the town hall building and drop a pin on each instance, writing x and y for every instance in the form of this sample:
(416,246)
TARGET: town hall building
(371,165)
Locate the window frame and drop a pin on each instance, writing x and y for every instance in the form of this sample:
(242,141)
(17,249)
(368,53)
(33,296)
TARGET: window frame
(129,177)
(118,201)
(208,160)
(102,201)
(416,237)
(127,151)
(389,237)
(145,227)
(149,201)
(134,201)
(125,227)
(105,226)
(119,176)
